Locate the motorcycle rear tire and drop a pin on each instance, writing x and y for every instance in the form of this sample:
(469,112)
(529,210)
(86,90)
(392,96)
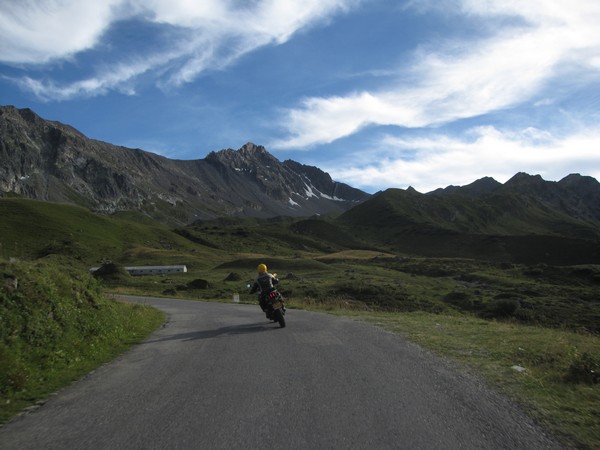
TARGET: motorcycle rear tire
(278,314)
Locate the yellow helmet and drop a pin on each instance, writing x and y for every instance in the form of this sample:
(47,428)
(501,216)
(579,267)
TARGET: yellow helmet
(261,268)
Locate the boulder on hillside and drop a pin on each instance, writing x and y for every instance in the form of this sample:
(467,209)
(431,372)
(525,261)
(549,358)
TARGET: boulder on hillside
(198,284)
(233,276)
(111,272)
(11,283)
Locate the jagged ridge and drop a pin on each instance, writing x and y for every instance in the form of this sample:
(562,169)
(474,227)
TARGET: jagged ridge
(51,161)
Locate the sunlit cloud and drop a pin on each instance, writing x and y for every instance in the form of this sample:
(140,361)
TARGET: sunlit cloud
(463,80)
(211,35)
(116,78)
(36,32)
(440,160)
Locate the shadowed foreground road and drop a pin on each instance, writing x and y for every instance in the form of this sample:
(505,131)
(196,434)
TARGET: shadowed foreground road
(221,376)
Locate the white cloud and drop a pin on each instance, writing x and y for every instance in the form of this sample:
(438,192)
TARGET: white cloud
(464,80)
(217,40)
(211,34)
(40,31)
(118,77)
(440,160)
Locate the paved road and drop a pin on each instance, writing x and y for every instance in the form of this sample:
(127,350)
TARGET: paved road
(220,376)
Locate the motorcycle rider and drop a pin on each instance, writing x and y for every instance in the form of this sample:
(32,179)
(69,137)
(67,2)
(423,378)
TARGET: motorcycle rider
(264,283)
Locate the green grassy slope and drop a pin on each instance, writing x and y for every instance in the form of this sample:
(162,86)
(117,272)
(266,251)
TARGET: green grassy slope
(499,228)
(55,326)
(31,229)
(328,262)
(403,269)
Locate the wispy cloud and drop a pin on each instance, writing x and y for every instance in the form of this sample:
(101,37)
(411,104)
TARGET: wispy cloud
(458,80)
(440,160)
(115,78)
(211,34)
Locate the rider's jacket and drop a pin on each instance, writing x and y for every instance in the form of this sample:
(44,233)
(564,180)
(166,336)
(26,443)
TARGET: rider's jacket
(264,283)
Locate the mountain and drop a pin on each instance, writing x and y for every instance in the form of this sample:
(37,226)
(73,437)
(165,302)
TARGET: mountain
(526,219)
(50,161)
(479,187)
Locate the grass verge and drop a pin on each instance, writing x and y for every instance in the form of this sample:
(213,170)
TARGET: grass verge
(56,325)
(554,374)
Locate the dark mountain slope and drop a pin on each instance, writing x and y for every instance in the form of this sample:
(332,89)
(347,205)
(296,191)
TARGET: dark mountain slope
(51,161)
(479,187)
(527,220)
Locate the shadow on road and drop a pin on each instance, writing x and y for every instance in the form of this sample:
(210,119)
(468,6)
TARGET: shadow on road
(219,332)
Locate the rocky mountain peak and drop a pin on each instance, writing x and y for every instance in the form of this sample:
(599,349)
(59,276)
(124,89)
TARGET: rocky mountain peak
(523,178)
(250,156)
(483,186)
(15,114)
(50,161)
(25,118)
(584,185)
(289,181)
(252,150)
(532,186)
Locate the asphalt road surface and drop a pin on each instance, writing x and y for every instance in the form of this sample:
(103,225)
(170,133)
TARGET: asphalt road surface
(222,376)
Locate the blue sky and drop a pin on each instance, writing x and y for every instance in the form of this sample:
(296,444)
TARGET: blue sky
(379,93)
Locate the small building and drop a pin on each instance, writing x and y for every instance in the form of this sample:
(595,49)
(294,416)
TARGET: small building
(155,270)
(151,270)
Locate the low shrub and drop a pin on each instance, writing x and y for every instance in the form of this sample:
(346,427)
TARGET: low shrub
(585,368)
(198,284)
(501,309)
(460,300)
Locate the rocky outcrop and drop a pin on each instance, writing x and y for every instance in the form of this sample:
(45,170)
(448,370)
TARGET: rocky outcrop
(51,161)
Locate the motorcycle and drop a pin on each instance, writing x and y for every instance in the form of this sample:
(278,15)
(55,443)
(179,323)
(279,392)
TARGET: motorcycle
(273,305)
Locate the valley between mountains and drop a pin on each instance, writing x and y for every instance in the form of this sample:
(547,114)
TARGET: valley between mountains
(491,275)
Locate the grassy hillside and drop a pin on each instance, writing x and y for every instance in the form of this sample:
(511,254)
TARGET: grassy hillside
(504,227)
(278,236)
(506,213)
(30,229)
(458,293)
(321,260)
